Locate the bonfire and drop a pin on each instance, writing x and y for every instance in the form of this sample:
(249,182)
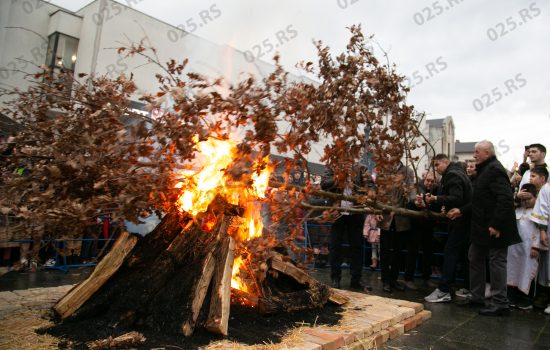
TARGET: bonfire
(203,164)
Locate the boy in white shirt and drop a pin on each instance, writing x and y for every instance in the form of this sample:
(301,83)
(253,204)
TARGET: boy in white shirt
(540,216)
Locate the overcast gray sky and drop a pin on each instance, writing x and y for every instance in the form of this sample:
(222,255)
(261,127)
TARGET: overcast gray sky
(485,63)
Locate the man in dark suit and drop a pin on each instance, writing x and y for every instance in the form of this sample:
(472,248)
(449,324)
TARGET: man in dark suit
(493,229)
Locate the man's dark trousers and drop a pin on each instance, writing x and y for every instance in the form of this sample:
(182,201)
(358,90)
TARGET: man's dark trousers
(453,252)
(350,226)
(390,253)
(497,269)
(421,235)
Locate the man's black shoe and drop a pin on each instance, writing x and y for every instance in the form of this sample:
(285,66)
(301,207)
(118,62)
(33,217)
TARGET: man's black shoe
(387,288)
(541,300)
(397,286)
(465,302)
(335,283)
(495,311)
(360,287)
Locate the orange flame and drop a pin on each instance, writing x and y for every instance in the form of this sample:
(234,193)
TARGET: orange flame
(201,186)
(236,281)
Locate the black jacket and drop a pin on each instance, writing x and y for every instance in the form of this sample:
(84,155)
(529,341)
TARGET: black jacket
(493,206)
(455,191)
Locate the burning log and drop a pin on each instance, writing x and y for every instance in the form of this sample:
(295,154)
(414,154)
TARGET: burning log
(288,289)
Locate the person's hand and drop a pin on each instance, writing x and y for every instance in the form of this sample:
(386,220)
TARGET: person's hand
(534,253)
(430,198)
(524,195)
(419,201)
(516,178)
(494,232)
(329,215)
(454,213)
(379,217)
(543,238)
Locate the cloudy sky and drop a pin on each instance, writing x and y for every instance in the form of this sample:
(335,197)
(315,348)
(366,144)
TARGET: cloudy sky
(485,63)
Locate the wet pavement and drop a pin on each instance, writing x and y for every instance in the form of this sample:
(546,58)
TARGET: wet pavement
(43,278)
(458,327)
(451,326)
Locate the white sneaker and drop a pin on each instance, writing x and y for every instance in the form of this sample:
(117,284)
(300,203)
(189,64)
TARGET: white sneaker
(438,296)
(547,310)
(49,263)
(488,292)
(463,293)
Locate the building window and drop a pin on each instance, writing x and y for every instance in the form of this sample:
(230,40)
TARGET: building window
(62,52)
(61,57)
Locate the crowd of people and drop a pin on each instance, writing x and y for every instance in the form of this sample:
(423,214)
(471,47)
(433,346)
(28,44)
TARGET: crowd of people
(497,231)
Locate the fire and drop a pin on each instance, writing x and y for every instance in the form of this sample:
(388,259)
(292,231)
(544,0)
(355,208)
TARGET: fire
(236,281)
(205,184)
(199,187)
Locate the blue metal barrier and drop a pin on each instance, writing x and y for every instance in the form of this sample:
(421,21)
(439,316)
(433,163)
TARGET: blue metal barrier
(366,246)
(61,260)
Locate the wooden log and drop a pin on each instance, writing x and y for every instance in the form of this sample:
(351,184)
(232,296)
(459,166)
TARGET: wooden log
(198,293)
(220,302)
(276,263)
(200,288)
(103,271)
(315,296)
(125,341)
(337,297)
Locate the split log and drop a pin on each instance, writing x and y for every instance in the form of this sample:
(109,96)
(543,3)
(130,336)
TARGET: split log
(301,276)
(198,294)
(287,288)
(200,288)
(276,263)
(315,296)
(337,298)
(218,315)
(125,341)
(103,271)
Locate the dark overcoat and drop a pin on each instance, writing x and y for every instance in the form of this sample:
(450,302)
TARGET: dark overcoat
(493,206)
